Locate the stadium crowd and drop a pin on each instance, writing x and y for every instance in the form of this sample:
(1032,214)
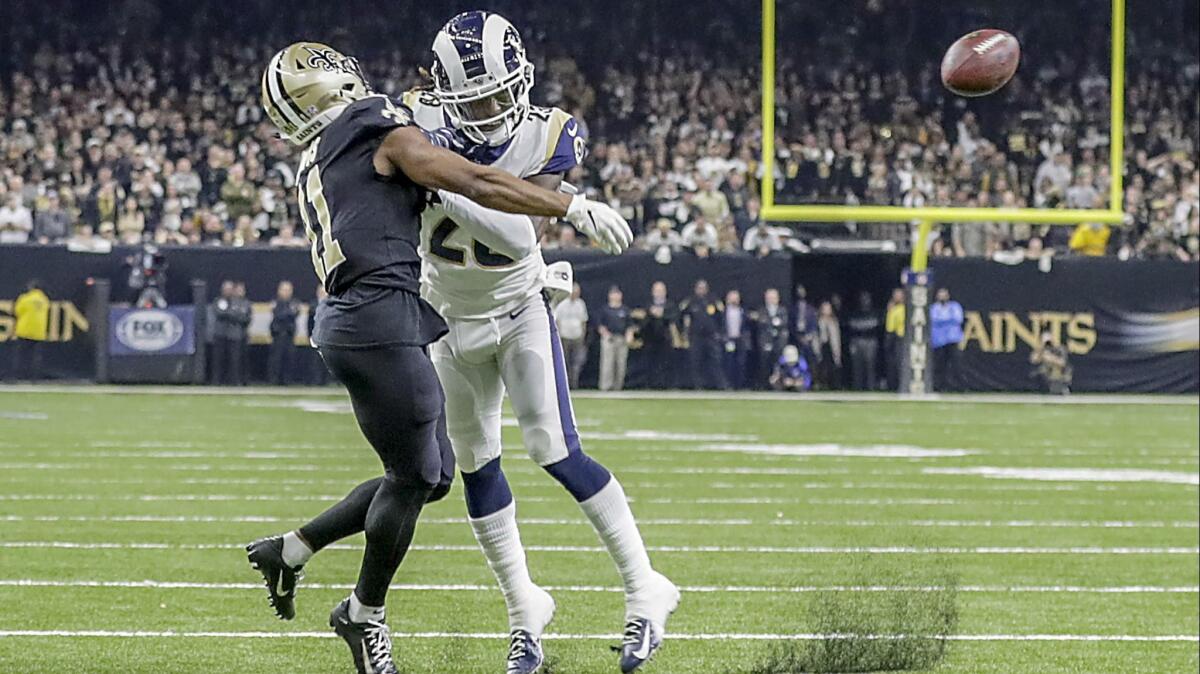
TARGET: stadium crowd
(145,133)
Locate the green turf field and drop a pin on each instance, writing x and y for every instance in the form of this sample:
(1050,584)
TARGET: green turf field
(122,518)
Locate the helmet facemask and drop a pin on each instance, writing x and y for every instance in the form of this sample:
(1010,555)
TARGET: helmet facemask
(487,110)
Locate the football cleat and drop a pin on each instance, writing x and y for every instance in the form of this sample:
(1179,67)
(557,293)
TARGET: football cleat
(642,640)
(645,629)
(524,653)
(369,642)
(266,556)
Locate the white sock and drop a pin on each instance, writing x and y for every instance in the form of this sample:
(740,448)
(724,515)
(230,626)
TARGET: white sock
(500,541)
(613,520)
(295,551)
(361,613)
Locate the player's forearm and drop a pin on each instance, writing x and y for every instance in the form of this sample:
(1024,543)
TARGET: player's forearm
(498,190)
(506,233)
(408,150)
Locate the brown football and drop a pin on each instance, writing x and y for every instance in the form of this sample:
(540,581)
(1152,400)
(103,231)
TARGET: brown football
(981,62)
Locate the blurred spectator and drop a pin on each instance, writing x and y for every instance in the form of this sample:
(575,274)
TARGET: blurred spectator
(231,316)
(616,332)
(131,222)
(663,240)
(16,221)
(1053,368)
(32,313)
(829,348)
(286,238)
(771,330)
(863,326)
(762,240)
(893,344)
(282,356)
(660,332)
(736,340)
(1090,239)
(790,371)
(804,326)
(52,223)
(698,316)
(946,333)
(571,316)
(701,236)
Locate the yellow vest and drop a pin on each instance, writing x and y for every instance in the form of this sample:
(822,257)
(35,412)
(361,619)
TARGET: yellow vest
(1088,241)
(895,320)
(33,315)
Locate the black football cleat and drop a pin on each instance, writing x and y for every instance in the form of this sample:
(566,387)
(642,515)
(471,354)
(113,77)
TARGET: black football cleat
(369,642)
(266,556)
(642,640)
(524,653)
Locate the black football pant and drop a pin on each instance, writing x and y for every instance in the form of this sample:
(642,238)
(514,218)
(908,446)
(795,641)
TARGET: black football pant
(398,403)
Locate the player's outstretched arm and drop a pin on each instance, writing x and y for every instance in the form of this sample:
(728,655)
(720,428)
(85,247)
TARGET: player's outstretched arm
(408,150)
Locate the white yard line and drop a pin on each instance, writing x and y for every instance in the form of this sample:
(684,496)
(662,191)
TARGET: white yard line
(688,549)
(748,500)
(982,398)
(694,589)
(116,634)
(651,521)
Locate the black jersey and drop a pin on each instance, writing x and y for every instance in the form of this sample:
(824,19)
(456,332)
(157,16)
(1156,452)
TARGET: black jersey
(365,230)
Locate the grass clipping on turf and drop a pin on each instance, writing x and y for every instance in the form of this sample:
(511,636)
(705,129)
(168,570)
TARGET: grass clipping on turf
(893,616)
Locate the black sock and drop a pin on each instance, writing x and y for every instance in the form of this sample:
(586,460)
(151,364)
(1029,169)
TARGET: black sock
(391,522)
(346,518)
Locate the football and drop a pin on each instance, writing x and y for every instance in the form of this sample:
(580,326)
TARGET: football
(981,62)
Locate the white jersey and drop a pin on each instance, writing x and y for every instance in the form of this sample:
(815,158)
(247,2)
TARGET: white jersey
(461,277)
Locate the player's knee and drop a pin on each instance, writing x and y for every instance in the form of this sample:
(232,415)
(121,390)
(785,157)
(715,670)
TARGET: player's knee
(487,490)
(440,491)
(396,502)
(580,475)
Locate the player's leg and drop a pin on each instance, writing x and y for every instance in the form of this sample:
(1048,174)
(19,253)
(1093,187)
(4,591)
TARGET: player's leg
(397,401)
(474,395)
(535,374)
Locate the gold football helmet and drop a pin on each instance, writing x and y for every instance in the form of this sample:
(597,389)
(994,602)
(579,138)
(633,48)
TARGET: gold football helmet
(306,86)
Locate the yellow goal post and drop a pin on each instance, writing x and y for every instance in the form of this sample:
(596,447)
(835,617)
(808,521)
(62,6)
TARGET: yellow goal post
(926,216)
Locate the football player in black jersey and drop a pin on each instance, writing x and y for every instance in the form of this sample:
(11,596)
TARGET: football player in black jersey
(364,177)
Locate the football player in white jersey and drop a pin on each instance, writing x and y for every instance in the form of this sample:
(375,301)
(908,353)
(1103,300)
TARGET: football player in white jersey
(483,271)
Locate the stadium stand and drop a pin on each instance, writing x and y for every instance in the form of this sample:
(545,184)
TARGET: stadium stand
(119,125)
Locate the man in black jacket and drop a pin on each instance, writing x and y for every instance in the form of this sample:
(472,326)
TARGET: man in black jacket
(659,332)
(699,317)
(231,316)
(283,334)
(771,332)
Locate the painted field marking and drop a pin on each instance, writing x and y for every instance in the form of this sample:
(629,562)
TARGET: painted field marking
(337,395)
(748,500)
(651,521)
(1190,638)
(701,549)
(1072,474)
(694,589)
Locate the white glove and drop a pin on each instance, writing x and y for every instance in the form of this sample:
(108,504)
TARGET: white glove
(559,281)
(600,223)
